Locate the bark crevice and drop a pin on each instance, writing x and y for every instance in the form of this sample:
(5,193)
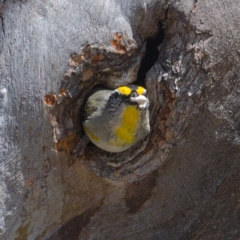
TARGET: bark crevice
(151,55)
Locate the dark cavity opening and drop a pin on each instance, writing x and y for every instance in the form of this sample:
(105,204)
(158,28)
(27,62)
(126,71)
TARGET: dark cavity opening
(151,55)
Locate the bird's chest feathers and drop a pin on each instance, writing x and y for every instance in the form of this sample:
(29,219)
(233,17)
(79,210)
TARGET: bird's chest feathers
(126,131)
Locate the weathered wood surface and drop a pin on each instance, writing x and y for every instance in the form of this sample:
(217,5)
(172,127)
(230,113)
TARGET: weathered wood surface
(181,182)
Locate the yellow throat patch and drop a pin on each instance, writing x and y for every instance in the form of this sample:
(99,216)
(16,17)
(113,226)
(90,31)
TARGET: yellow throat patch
(126,132)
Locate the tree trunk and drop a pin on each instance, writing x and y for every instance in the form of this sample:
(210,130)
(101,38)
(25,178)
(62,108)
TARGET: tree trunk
(180,182)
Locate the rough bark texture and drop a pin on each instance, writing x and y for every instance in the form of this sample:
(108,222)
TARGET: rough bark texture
(181,182)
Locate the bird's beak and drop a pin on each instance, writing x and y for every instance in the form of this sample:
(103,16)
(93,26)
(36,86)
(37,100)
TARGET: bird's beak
(141,100)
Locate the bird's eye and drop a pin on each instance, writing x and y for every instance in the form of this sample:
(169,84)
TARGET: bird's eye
(115,98)
(115,95)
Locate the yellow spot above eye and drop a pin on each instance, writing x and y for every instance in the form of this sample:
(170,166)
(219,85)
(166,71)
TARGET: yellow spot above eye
(126,132)
(124,90)
(92,136)
(141,91)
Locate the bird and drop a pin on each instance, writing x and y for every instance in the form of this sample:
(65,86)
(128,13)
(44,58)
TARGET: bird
(114,120)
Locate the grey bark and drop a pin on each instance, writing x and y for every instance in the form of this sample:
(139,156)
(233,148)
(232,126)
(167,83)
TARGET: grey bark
(181,182)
